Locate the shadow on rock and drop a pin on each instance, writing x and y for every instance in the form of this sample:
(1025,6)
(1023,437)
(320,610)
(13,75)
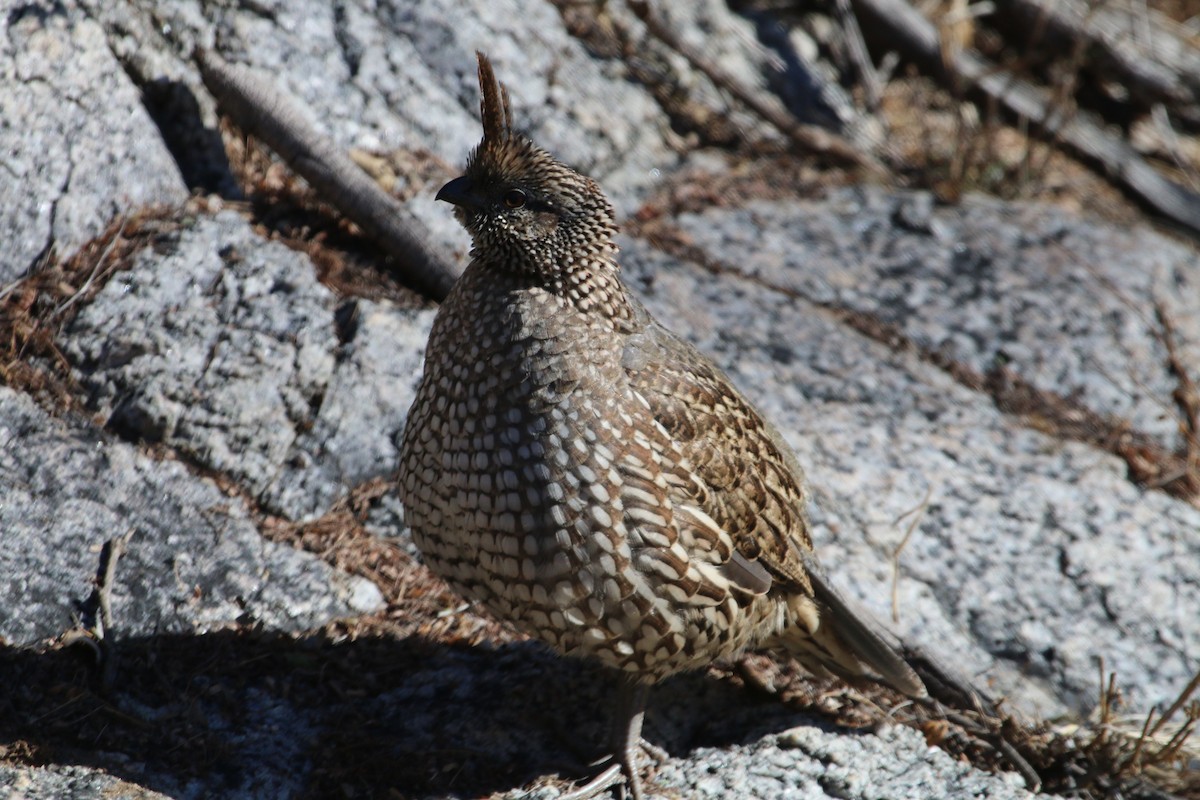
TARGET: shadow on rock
(252,714)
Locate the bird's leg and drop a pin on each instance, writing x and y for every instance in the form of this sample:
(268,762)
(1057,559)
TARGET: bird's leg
(627,730)
(625,740)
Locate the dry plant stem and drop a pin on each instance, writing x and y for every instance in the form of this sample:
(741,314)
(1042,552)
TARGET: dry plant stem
(1033,781)
(1180,701)
(946,686)
(1186,395)
(109,555)
(263,110)
(917,514)
(1108,699)
(1172,749)
(856,47)
(809,137)
(1105,748)
(909,32)
(105,579)
(1136,758)
(100,264)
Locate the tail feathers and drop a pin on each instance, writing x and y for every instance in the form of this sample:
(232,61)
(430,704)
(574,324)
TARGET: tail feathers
(828,636)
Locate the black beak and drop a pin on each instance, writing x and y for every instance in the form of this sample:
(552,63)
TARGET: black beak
(459,192)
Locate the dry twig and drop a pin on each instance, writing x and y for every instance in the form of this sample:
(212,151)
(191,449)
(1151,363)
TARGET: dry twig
(917,514)
(860,57)
(101,600)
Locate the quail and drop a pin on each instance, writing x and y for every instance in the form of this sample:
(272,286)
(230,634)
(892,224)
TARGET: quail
(589,476)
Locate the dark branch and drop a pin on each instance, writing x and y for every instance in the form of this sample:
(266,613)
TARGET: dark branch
(261,109)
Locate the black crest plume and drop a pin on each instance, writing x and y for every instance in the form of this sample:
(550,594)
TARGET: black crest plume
(494,105)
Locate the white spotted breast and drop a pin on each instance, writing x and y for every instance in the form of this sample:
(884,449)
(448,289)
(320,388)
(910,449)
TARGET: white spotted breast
(536,480)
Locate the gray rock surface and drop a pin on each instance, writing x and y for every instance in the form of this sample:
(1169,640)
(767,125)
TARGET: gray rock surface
(221,347)
(405,76)
(67,783)
(195,560)
(757,52)
(76,146)
(1033,556)
(1068,306)
(226,348)
(355,436)
(809,762)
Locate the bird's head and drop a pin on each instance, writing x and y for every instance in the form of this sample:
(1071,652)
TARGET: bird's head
(525,210)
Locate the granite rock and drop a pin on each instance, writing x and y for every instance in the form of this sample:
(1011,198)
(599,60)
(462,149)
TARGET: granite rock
(222,346)
(1066,304)
(194,560)
(77,148)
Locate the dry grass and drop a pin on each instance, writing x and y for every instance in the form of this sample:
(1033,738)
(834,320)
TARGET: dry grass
(948,147)
(1115,754)
(35,308)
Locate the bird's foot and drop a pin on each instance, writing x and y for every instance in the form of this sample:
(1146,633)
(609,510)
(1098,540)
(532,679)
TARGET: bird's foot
(657,754)
(619,768)
(608,777)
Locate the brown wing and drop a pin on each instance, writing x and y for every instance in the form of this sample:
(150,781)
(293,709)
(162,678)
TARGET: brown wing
(756,494)
(756,487)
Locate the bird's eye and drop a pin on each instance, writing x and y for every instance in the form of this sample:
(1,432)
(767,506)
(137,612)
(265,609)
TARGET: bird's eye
(514,198)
